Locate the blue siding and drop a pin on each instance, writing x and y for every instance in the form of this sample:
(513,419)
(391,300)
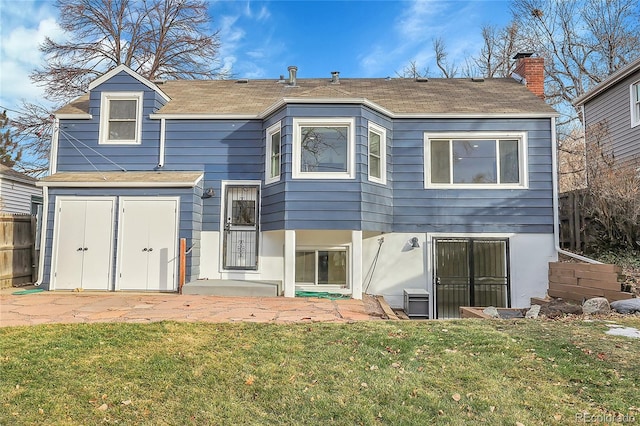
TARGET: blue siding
(79,138)
(227,150)
(416,209)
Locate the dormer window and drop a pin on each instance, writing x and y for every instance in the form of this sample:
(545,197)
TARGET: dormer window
(121,118)
(635,104)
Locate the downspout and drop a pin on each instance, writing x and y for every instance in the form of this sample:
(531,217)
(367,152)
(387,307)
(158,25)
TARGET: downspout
(556,217)
(53,159)
(162,143)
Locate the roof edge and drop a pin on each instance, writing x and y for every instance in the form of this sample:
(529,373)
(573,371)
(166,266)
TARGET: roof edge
(613,79)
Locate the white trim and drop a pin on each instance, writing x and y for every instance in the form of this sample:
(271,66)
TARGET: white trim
(289,284)
(105,99)
(382,132)
(298,123)
(120,236)
(53,154)
(359,101)
(108,75)
(56,234)
(163,131)
(635,103)
(523,159)
(109,184)
(43,237)
(78,116)
(205,116)
(223,206)
(272,130)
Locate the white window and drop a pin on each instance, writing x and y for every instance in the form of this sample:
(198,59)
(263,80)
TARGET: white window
(635,104)
(322,267)
(273,154)
(323,148)
(475,160)
(121,118)
(377,154)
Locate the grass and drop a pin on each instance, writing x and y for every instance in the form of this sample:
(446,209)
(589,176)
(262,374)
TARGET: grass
(397,373)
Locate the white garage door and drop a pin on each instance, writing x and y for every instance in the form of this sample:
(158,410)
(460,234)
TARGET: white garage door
(147,241)
(83,243)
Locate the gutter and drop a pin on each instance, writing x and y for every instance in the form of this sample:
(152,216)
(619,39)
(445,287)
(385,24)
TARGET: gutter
(556,214)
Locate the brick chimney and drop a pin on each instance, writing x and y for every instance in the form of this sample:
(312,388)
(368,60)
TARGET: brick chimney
(532,71)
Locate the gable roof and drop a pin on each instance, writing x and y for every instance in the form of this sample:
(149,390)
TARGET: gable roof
(123,68)
(613,79)
(10,174)
(396,97)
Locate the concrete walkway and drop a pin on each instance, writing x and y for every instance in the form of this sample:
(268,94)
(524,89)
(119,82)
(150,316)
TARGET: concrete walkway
(85,307)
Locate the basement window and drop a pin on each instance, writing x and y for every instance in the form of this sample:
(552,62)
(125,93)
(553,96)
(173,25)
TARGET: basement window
(321,267)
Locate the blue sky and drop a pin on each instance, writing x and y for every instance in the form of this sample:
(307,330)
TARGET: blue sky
(261,38)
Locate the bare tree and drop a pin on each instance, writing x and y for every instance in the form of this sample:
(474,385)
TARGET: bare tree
(499,47)
(159,39)
(156,38)
(412,71)
(9,150)
(448,69)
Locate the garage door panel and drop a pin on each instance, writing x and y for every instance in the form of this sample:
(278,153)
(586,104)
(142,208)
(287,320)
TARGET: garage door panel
(98,245)
(69,244)
(83,244)
(147,241)
(162,242)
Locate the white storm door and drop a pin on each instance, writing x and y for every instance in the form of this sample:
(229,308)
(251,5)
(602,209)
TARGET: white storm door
(147,244)
(83,244)
(161,269)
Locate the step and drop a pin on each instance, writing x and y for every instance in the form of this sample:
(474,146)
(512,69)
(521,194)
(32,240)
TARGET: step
(253,288)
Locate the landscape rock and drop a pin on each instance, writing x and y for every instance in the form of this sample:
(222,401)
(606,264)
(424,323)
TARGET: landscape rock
(596,305)
(492,311)
(533,312)
(558,308)
(629,306)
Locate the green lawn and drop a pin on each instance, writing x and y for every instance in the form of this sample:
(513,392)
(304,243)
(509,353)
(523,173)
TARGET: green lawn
(402,372)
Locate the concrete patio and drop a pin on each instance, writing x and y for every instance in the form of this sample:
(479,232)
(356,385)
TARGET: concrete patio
(88,307)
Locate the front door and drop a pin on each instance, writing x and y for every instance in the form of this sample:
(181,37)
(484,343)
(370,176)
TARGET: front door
(470,272)
(240,245)
(147,244)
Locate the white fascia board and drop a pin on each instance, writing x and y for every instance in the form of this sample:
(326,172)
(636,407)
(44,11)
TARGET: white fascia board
(74,116)
(108,184)
(205,116)
(105,77)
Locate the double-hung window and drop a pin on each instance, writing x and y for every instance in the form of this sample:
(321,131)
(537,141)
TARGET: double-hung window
(635,104)
(323,148)
(121,118)
(273,154)
(476,160)
(377,154)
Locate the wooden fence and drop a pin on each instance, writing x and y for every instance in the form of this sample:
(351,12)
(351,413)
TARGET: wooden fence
(18,257)
(573,222)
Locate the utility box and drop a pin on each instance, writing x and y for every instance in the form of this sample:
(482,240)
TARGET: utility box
(416,303)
